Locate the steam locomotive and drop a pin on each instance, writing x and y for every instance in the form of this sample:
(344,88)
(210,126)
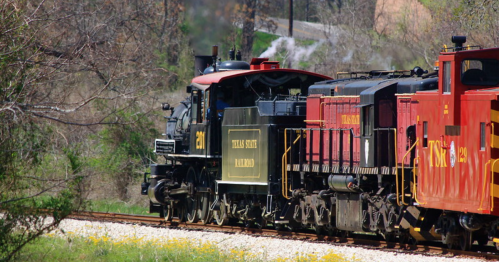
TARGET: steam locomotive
(405,154)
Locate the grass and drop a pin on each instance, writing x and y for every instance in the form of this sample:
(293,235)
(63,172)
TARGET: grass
(71,247)
(261,42)
(112,206)
(103,249)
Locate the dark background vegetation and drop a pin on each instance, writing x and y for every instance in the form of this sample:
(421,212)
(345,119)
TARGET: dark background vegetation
(81,81)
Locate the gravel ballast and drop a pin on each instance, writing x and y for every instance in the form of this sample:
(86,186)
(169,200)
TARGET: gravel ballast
(264,248)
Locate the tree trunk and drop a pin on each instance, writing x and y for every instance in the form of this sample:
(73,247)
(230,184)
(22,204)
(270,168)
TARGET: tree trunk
(248,28)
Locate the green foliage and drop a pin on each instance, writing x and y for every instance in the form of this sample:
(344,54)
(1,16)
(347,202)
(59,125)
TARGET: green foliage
(261,42)
(429,3)
(180,73)
(27,218)
(131,139)
(125,150)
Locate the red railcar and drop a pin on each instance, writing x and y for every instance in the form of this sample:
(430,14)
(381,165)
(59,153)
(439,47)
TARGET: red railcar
(457,137)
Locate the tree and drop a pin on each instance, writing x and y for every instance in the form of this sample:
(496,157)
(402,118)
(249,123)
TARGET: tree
(23,141)
(70,70)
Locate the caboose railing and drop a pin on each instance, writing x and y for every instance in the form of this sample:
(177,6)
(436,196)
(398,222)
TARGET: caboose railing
(485,183)
(415,188)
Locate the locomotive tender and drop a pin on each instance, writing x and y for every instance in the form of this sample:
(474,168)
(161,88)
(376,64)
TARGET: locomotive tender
(407,155)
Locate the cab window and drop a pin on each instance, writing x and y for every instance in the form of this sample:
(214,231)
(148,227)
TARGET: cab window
(480,72)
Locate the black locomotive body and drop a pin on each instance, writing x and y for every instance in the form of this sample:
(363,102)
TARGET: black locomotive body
(224,164)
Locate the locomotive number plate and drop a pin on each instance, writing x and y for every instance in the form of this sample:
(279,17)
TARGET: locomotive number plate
(163,147)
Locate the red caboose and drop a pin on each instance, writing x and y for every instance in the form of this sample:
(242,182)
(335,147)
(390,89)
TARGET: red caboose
(457,146)
(456,132)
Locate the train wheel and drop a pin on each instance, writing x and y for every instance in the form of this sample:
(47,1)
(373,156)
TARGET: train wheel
(191,201)
(465,240)
(221,215)
(331,231)
(451,241)
(319,230)
(293,226)
(261,223)
(204,208)
(181,213)
(343,234)
(168,212)
(191,209)
(389,237)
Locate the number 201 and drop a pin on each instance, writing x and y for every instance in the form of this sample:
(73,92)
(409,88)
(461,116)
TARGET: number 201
(200,139)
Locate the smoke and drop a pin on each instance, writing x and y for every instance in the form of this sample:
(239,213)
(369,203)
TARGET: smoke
(292,52)
(348,57)
(378,61)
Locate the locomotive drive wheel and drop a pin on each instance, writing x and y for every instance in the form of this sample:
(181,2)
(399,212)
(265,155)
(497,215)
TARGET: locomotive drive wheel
(191,209)
(168,212)
(221,215)
(191,201)
(204,208)
(180,213)
(205,199)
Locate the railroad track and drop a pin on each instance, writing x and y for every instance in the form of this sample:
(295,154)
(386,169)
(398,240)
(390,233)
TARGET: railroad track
(366,241)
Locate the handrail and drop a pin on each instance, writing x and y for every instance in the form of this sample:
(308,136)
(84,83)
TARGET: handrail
(320,121)
(492,186)
(396,159)
(484,183)
(285,163)
(414,169)
(403,159)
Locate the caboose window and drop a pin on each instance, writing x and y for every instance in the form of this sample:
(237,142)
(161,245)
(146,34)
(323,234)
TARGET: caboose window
(447,80)
(425,134)
(482,136)
(480,72)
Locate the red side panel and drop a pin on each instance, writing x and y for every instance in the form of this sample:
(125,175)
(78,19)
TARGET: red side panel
(452,159)
(341,113)
(407,109)
(314,121)
(331,114)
